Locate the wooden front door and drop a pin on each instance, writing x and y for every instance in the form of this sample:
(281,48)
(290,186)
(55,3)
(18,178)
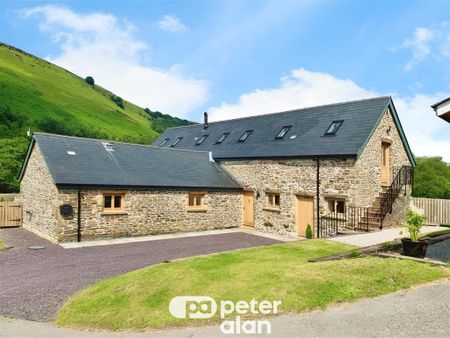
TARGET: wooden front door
(249,208)
(304,214)
(385,163)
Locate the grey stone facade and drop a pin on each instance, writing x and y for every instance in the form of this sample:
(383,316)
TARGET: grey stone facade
(147,212)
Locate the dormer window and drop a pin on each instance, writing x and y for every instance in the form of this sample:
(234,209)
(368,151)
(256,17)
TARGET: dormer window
(163,142)
(200,140)
(222,138)
(283,132)
(245,135)
(176,142)
(333,128)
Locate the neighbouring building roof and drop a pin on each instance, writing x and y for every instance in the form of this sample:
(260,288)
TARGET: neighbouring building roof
(305,137)
(442,109)
(74,161)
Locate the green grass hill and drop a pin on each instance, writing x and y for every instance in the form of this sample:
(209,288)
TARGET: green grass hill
(38,95)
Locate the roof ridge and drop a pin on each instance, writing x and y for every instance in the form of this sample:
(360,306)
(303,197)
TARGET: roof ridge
(120,142)
(287,111)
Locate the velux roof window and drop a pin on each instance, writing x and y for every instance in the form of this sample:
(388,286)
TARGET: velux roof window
(163,142)
(333,128)
(282,133)
(176,142)
(245,135)
(222,138)
(200,140)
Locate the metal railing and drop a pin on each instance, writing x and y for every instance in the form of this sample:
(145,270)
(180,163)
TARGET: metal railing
(353,218)
(403,176)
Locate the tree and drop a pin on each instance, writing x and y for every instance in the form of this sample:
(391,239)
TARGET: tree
(431,178)
(12,154)
(90,80)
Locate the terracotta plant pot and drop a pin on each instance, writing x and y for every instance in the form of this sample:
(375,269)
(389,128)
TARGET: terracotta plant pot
(414,249)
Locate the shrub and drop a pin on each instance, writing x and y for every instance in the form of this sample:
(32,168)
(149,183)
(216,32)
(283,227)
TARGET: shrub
(89,80)
(309,234)
(414,222)
(148,111)
(118,100)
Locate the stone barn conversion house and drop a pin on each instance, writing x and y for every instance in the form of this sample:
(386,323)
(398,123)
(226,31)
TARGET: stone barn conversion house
(335,167)
(339,167)
(74,188)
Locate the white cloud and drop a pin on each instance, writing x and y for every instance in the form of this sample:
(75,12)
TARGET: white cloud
(172,24)
(106,48)
(428,41)
(427,134)
(301,88)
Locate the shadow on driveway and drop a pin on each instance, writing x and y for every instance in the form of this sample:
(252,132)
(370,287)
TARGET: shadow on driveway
(35,283)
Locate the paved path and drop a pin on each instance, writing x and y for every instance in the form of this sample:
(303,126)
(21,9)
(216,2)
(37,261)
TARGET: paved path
(377,237)
(420,312)
(35,283)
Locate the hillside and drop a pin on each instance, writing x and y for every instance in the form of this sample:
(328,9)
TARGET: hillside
(37,95)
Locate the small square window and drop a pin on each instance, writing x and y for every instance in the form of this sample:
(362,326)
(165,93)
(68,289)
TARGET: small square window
(201,139)
(333,128)
(272,200)
(196,200)
(222,138)
(245,135)
(336,206)
(163,142)
(113,202)
(283,132)
(176,142)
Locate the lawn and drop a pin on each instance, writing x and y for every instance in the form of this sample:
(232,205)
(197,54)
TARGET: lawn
(139,299)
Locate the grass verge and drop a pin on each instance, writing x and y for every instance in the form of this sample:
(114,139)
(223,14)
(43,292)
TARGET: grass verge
(139,299)
(2,245)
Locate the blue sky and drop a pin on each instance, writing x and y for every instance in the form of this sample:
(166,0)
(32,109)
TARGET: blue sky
(244,58)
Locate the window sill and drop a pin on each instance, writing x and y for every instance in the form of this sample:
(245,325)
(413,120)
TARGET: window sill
(272,209)
(196,209)
(112,213)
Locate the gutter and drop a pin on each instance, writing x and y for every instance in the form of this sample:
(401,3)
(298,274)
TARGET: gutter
(79,217)
(318,196)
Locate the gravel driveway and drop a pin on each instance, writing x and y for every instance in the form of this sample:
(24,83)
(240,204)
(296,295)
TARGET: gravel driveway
(35,283)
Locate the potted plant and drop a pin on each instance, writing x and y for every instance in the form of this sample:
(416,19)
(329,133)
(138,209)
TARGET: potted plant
(413,246)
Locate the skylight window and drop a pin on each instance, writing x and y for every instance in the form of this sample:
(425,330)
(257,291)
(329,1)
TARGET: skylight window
(176,142)
(245,135)
(108,146)
(200,140)
(164,142)
(282,133)
(222,138)
(333,128)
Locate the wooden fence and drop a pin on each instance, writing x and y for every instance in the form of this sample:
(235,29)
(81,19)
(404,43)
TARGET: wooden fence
(10,214)
(436,210)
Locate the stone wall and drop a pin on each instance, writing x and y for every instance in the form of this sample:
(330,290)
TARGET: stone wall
(368,166)
(148,212)
(291,178)
(38,195)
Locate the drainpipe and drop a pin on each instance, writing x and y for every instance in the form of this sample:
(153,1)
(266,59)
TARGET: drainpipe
(318,195)
(79,217)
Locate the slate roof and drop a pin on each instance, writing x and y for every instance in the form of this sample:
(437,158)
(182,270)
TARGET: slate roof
(308,126)
(129,165)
